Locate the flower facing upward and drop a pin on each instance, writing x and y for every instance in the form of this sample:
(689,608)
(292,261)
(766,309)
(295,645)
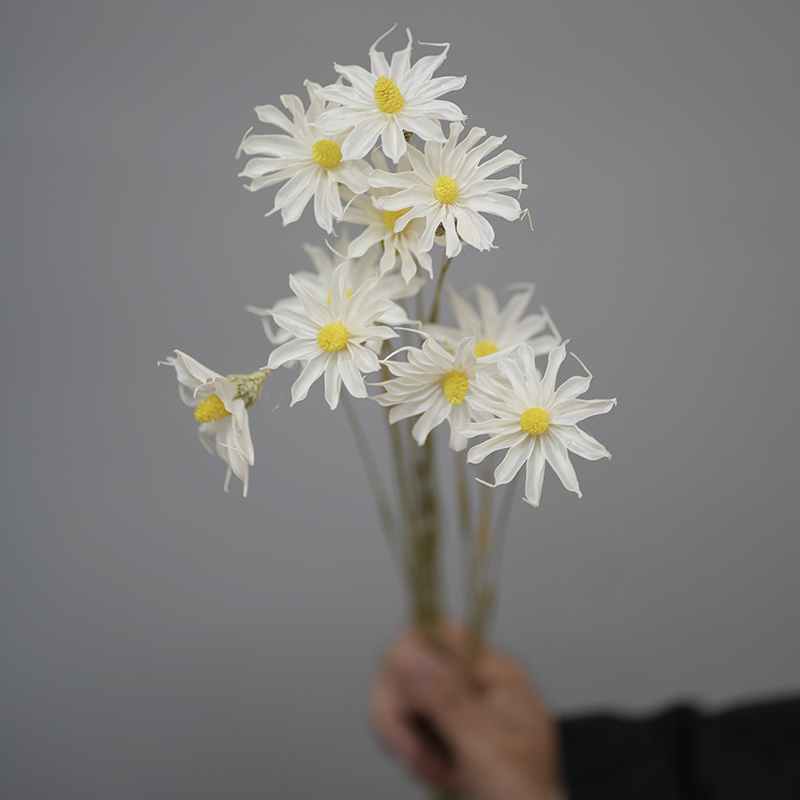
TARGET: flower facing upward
(332,338)
(497,328)
(535,422)
(311,164)
(220,406)
(448,186)
(435,384)
(389,99)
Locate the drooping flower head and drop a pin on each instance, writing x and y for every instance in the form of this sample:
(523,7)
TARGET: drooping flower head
(310,163)
(396,247)
(449,186)
(220,406)
(534,421)
(388,99)
(332,338)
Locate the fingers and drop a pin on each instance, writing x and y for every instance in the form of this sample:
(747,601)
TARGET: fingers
(483,730)
(402,730)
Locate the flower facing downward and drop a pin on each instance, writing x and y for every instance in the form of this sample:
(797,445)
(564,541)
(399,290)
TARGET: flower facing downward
(311,164)
(332,338)
(389,99)
(535,422)
(398,247)
(220,406)
(448,186)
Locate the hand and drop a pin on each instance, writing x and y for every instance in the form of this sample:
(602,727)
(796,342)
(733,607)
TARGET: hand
(487,733)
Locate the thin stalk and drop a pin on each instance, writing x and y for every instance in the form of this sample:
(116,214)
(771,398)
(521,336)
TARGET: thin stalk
(501,524)
(437,297)
(379,493)
(427,602)
(464,517)
(481,595)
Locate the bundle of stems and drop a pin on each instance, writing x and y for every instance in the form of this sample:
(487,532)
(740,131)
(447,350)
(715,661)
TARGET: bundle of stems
(416,542)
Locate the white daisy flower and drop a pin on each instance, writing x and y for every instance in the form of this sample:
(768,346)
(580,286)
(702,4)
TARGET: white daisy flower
(332,338)
(220,406)
(320,284)
(311,164)
(535,422)
(390,99)
(495,328)
(402,246)
(448,186)
(435,384)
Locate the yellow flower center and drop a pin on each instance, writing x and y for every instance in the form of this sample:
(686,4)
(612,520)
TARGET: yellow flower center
(333,337)
(326,153)
(390,217)
(445,190)
(455,387)
(534,421)
(484,347)
(387,95)
(211,409)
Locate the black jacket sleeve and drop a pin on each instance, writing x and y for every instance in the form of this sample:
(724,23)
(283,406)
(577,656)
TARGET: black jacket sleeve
(682,753)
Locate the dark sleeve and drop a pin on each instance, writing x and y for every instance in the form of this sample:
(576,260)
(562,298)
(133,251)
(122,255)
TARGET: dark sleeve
(748,753)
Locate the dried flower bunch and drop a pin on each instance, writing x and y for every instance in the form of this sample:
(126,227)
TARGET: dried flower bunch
(370,150)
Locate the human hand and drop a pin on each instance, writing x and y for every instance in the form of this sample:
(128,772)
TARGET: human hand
(496,739)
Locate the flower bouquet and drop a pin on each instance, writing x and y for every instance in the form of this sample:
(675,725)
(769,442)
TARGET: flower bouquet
(369,150)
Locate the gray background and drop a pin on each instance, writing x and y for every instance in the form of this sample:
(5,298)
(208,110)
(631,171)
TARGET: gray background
(159,638)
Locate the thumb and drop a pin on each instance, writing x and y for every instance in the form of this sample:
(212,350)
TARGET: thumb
(438,689)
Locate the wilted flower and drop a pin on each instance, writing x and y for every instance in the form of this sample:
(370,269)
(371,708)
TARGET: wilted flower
(220,406)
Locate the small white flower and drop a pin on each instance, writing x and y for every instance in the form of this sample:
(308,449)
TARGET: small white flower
(447,185)
(220,406)
(495,328)
(435,384)
(535,422)
(389,99)
(310,164)
(332,338)
(402,245)
(320,285)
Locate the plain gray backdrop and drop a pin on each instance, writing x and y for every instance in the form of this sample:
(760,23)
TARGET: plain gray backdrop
(161,639)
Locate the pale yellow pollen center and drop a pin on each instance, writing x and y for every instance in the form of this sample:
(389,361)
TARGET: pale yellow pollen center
(211,409)
(534,421)
(390,217)
(326,153)
(484,347)
(387,95)
(455,387)
(445,190)
(333,337)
